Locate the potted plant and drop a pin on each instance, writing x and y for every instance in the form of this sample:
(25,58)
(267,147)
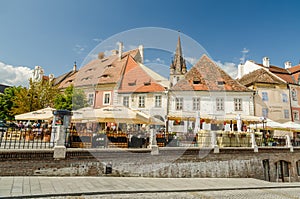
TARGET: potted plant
(270,141)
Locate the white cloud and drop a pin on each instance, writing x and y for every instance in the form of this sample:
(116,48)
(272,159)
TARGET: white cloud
(191,60)
(229,67)
(14,75)
(131,47)
(155,61)
(79,48)
(160,61)
(97,40)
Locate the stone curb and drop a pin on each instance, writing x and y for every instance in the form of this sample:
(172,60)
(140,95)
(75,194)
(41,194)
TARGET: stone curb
(148,191)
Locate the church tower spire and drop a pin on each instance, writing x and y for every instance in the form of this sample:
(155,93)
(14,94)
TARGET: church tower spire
(178,65)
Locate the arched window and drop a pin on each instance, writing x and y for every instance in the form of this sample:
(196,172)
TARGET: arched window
(282,169)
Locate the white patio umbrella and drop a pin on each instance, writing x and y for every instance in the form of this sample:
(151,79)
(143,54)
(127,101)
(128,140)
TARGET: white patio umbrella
(267,124)
(291,125)
(42,114)
(117,114)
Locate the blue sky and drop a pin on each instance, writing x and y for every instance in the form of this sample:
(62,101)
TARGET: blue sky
(55,33)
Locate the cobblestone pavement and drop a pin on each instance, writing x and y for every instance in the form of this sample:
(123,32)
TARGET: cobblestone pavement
(126,187)
(289,193)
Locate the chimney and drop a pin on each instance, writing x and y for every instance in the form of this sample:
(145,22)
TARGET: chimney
(240,71)
(266,62)
(101,55)
(114,52)
(287,64)
(120,50)
(51,78)
(141,49)
(74,67)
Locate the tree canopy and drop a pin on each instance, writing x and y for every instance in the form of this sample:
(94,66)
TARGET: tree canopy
(71,99)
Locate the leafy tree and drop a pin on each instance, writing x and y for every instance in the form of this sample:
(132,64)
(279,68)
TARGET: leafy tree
(71,99)
(39,95)
(6,102)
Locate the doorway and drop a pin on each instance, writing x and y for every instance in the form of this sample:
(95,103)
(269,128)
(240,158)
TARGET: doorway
(266,166)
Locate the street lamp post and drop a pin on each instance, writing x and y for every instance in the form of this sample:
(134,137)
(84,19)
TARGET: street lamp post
(263,119)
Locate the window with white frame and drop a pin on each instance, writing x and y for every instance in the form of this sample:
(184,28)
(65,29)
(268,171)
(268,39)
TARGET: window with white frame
(196,104)
(141,101)
(265,96)
(296,115)
(265,112)
(106,98)
(179,103)
(284,98)
(286,114)
(220,104)
(158,101)
(126,101)
(238,104)
(294,94)
(91,99)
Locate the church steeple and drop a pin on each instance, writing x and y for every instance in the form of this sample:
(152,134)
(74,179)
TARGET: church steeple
(178,65)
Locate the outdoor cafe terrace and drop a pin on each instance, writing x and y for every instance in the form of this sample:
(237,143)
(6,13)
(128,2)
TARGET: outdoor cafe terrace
(120,127)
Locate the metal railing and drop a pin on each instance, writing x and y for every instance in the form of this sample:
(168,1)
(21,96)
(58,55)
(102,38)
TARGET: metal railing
(40,138)
(25,138)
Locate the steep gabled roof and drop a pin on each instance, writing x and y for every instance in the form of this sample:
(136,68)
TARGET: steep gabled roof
(3,87)
(103,71)
(205,75)
(260,76)
(61,78)
(68,81)
(294,69)
(136,79)
(282,73)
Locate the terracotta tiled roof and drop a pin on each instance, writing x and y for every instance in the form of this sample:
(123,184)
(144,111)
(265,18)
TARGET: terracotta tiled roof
(103,71)
(62,77)
(205,75)
(136,79)
(259,76)
(294,69)
(281,73)
(68,81)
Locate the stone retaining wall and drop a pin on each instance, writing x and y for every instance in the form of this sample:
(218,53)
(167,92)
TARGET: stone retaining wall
(171,162)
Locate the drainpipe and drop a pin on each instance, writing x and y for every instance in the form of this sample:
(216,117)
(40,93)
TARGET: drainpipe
(291,109)
(168,104)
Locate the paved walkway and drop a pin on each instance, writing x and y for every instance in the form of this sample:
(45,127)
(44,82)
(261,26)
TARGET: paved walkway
(28,187)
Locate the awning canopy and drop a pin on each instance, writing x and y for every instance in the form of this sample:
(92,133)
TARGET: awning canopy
(292,126)
(229,117)
(117,114)
(42,114)
(282,133)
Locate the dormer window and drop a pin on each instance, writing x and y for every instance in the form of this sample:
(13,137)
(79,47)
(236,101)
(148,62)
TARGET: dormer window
(109,66)
(132,83)
(85,78)
(147,83)
(196,81)
(105,76)
(220,83)
(88,70)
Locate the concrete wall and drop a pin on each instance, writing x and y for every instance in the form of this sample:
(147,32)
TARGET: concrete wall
(171,162)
